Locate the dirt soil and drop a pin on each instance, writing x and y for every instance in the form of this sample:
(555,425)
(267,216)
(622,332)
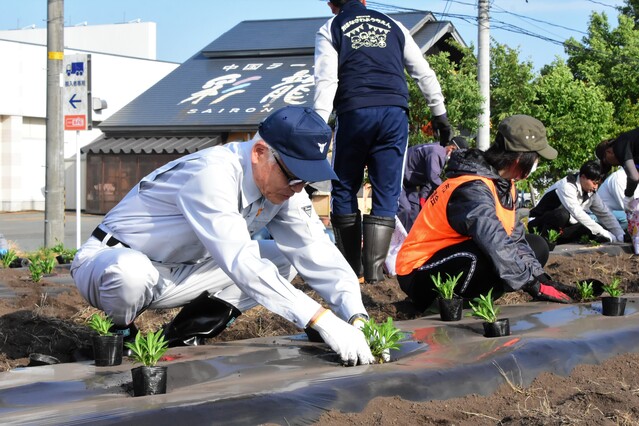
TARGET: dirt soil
(49,318)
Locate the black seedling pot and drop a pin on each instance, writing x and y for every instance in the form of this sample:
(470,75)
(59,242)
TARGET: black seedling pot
(450,309)
(36,359)
(499,328)
(149,380)
(107,350)
(613,306)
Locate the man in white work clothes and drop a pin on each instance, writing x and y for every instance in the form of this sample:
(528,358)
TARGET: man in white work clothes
(182,237)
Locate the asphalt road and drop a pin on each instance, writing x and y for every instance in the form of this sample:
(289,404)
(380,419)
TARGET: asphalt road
(26,229)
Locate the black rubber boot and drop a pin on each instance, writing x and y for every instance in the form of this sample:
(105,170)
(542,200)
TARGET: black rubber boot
(204,317)
(378,231)
(348,238)
(128,333)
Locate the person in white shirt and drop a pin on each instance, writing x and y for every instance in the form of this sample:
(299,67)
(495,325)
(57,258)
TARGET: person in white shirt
(564,207)
(182,237)
(611,192)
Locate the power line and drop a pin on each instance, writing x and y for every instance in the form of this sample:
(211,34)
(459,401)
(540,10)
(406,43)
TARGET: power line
(502,25)
(473,19)
(528,18)
(603,4)
(383,7)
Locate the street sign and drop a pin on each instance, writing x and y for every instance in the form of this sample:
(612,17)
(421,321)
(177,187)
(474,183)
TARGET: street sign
(76,105)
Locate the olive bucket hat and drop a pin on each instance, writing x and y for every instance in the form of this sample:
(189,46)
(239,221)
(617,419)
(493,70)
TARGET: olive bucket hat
(523,133)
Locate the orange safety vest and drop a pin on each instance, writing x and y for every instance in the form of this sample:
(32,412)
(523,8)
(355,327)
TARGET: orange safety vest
(431,231)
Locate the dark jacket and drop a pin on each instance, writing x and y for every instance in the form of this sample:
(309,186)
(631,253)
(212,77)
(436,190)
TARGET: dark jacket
(424,165)
(471,212)
(361,60)
(358,45)
(626,149)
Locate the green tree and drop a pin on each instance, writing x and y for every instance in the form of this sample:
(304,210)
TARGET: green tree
(609,58)
(631,10)
(511,88)
(461,93)
(576,115)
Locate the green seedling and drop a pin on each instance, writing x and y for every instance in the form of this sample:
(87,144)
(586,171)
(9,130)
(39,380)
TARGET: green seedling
(484,307)
(36,269)
(58,248)
(9,257)
(48,264)
(614,288)
(587,241)
(382,337)
(445,288)
(585,290)
(148,349)
(41,262)
(39,267)
(101,324)
(65,254)
(553,235)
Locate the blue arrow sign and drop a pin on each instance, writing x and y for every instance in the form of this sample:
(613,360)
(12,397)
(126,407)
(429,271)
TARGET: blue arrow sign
(73,101)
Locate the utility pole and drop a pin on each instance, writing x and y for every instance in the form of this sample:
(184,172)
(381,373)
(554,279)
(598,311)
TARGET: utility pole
(54,185)
(483,74)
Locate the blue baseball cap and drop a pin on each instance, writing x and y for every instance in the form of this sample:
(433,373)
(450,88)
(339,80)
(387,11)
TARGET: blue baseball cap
(301,138)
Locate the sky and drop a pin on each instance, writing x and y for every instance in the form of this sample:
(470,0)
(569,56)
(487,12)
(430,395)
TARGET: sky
(535,27)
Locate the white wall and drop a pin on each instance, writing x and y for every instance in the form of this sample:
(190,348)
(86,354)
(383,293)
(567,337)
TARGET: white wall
(23,79)
(114,39)
(117,79)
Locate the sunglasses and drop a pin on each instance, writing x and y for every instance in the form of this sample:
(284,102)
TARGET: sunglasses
(292,180)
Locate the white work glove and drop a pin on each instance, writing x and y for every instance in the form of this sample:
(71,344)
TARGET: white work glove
(619,237)
(347,340)
(626,204)
(609,235)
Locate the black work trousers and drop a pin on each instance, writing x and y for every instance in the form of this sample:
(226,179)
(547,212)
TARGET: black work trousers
(559,220)
(478,272)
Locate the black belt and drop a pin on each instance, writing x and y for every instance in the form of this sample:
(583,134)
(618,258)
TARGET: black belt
(101,235)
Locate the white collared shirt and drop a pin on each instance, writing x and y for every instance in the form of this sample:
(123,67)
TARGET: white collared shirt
(571,196)
(206,204)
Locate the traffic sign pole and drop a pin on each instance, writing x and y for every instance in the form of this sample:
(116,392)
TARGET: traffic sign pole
(76,107)
(77,92)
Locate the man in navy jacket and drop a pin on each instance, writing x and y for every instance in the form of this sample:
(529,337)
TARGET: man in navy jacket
(360,57)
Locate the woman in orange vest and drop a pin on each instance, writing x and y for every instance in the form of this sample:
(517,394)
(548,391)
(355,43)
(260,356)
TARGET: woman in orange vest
(468,224)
